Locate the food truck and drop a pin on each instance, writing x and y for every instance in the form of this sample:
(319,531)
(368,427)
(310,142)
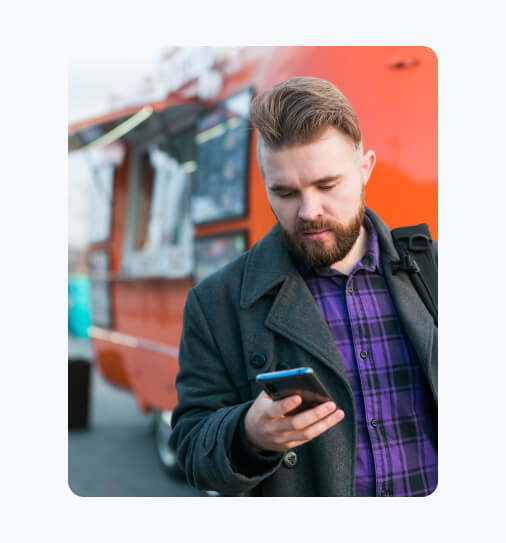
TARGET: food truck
(177,192)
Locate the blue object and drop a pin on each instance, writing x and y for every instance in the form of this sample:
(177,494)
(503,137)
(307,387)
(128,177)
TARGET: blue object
(285,373)
(79,311)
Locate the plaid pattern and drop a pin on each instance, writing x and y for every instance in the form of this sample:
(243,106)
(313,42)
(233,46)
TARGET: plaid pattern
(396,440)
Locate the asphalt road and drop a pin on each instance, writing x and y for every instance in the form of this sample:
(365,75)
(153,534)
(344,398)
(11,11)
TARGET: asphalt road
(116,454)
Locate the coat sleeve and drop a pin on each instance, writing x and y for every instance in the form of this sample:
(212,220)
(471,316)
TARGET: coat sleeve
(209,412)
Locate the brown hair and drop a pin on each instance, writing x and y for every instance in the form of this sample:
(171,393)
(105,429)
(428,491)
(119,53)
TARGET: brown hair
(299,109)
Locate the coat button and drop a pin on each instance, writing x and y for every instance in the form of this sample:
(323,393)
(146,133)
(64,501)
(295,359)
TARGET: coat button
(258,360)
(283,365)
(290,459)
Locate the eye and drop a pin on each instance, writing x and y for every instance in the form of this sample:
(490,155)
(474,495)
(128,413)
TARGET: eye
(326,187)
(285,194)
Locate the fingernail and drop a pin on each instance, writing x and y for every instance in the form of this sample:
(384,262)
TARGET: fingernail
(331,406)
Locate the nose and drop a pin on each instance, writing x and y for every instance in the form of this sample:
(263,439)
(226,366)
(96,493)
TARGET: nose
(310,207)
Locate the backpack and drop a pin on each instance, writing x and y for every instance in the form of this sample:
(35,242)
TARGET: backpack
(417,257)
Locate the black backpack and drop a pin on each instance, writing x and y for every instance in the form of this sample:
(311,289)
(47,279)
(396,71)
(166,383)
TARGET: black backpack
(417,258)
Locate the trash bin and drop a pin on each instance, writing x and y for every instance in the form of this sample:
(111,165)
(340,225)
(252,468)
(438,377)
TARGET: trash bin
(79,392)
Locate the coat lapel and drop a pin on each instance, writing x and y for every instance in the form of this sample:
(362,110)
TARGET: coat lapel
(294,313)
(296,316)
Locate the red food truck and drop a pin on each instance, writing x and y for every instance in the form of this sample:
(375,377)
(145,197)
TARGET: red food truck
(178,192)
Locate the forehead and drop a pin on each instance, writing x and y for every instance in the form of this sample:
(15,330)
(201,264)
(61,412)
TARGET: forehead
(331,152)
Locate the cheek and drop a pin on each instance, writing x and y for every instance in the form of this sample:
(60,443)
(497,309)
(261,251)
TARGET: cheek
(344,204)
(286,213)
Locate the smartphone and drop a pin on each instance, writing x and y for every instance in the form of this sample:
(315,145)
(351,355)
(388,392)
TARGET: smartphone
(301,381)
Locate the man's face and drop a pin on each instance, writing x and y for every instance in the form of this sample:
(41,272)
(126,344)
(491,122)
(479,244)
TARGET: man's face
(316,192)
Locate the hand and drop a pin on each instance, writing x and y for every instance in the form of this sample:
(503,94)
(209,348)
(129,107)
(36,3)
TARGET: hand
(268,429)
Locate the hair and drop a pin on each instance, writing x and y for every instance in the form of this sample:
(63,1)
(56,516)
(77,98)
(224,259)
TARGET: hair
(298,110)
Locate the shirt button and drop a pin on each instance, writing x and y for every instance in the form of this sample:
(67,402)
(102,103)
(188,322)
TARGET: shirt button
(350,289)
(383,491)
(374,423)
(363,355)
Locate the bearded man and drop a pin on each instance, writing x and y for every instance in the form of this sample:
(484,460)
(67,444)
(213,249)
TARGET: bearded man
(317,291)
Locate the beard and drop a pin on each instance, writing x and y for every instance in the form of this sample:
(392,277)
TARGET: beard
(324,253)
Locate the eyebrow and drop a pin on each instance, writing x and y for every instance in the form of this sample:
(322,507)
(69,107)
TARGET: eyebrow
(280,187)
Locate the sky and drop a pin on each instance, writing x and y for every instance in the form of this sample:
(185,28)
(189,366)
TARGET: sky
(94,73)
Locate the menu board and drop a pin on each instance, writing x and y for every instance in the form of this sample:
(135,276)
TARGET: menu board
(99,265)
(222,144)
(213,252)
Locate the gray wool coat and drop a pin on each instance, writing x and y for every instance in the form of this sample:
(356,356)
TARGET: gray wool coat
(248,318)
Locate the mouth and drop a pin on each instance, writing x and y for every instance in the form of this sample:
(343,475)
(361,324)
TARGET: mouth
(315,234)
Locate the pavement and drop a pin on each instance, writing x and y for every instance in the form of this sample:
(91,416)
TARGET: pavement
(116,454)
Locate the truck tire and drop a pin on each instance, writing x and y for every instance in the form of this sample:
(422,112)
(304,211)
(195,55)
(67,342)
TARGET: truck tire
(167,456)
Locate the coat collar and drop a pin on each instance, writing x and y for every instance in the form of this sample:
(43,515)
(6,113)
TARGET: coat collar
(270,263)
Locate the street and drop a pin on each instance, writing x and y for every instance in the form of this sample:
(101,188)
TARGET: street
(116,454)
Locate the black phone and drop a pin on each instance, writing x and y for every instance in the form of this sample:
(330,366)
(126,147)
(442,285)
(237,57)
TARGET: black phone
(301,381)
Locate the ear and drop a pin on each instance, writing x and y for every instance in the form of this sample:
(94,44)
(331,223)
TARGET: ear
(367,165)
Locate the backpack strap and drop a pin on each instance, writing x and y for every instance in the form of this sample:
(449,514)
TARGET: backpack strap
(415,247)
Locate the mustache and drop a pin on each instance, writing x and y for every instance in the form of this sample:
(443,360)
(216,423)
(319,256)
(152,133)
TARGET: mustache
(303,225)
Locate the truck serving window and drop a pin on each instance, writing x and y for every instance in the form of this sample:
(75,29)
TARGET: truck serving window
(159,240)
(101,202)
(91,178)
(99,268)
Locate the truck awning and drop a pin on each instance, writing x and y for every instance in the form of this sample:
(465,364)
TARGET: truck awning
(135,123)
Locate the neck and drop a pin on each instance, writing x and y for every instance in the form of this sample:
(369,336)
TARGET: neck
(356,253)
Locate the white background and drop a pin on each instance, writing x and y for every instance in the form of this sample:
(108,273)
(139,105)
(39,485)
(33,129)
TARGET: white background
(36,38)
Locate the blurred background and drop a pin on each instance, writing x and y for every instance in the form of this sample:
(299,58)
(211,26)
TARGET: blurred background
(164,189)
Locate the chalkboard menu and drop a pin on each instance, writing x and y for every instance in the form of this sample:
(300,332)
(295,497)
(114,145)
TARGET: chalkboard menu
(99,265)
(213,252)
(222,142)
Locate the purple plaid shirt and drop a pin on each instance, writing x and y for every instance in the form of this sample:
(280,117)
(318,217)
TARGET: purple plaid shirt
(396,439)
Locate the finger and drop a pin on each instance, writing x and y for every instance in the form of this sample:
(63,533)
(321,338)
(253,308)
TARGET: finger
(308,417)
(277,408)
(310,432)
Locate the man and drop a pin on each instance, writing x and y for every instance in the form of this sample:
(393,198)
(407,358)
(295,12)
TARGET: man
(317,291)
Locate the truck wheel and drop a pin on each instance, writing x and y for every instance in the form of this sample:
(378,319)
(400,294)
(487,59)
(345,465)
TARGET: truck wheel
(166,454)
